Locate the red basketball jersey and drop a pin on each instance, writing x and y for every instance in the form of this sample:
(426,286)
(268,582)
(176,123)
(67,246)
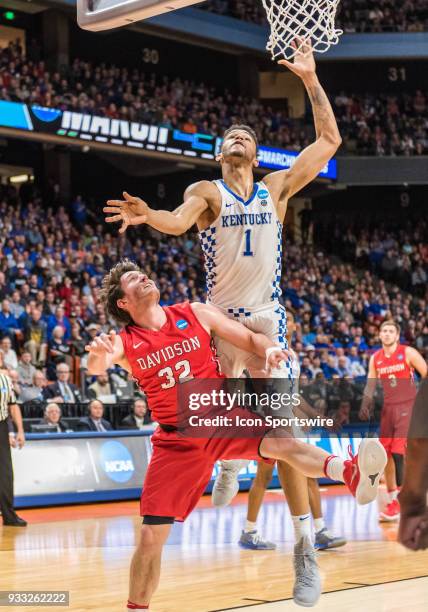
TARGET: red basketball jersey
(396,374)
(159,360)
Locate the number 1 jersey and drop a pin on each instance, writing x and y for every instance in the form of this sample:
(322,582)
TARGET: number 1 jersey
(160,360)
(243,250)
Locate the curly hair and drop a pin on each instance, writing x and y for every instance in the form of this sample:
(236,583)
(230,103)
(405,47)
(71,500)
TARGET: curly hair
(112,291)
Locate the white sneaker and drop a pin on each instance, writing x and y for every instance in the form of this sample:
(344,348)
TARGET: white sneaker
(226,484)
(307,586)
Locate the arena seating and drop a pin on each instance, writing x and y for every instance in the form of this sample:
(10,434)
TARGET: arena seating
(353,15)
(369,124)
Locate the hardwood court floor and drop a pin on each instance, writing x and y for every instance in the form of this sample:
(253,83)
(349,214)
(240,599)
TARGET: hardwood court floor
(86,550)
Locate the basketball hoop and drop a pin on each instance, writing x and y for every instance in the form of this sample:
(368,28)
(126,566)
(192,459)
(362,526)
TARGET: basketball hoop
(292,20)
(96,15)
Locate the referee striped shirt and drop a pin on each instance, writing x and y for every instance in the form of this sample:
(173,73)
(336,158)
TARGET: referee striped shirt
(7,396)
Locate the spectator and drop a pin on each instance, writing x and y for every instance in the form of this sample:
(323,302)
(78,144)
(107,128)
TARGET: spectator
(8,324)
(16,308)
(102,389)
(58,350)
(10,359)
(343,367)
(94,421)
(26,370)
(329,367)
(77,342)
(35,337)
(34,391)
(139,418)
(62,390)
(52,416)
(59,320)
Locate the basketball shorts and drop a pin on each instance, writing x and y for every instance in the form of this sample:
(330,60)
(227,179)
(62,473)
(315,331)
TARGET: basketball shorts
(394,426)
(181,468)
(271,320)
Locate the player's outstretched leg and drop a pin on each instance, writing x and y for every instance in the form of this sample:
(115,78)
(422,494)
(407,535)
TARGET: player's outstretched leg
(361,473)
(226,484)
(146,565)
(324,539)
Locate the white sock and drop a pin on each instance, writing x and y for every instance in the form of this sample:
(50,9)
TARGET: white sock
(393,495)
(335,469)
(302,526)
(319,524)
(250,526)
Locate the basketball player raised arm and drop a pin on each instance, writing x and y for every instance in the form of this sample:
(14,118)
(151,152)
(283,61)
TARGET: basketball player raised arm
(107,350)
(238,158)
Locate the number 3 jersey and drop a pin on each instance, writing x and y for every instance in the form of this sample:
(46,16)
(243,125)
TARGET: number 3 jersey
(396,374)
(160,360)
(242,250)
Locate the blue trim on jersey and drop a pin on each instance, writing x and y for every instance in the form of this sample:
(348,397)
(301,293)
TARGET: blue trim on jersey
(245,203)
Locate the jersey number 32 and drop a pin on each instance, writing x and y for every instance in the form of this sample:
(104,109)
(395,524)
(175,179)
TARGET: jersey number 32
(172,376)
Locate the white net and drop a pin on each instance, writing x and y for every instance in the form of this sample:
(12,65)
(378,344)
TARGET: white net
(291,20)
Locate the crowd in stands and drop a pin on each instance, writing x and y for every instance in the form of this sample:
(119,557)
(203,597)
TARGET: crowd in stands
(383,124)
(352,15)
(370,125)
(390,246)
(52,261)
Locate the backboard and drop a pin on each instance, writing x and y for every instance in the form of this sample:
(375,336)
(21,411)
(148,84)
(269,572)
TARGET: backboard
(96,15)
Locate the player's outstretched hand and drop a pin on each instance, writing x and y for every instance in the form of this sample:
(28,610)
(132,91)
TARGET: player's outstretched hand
(275,358)
(413,530)
(102,344)
(130,211)
(304,63)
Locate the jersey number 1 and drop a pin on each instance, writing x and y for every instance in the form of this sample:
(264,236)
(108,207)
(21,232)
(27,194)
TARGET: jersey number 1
(248,252)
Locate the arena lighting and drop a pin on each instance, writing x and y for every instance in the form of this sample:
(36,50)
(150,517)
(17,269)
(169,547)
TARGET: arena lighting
(21,178)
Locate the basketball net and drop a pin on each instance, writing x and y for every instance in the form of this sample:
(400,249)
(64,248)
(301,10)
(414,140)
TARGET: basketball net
(292,20)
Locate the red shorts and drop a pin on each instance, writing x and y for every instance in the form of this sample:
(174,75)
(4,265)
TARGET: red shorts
(181,468)
(394,427)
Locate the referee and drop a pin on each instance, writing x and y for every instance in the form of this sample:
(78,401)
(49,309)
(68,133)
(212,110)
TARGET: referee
(8,406)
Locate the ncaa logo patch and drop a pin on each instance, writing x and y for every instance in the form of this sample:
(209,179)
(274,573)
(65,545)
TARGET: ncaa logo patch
(263,194)
(182,324)
(116,461)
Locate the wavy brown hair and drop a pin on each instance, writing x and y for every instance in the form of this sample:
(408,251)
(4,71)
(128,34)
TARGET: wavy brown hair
(112,291)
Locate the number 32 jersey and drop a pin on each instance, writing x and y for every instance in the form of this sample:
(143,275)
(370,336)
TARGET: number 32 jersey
(160,360)
(243,249)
